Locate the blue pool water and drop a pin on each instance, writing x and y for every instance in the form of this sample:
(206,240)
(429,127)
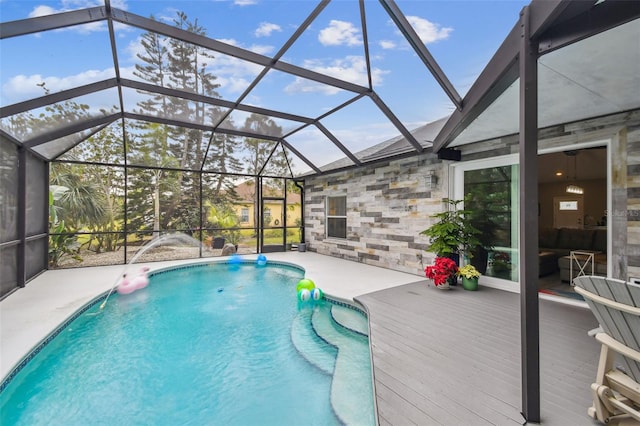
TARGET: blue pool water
(205,344)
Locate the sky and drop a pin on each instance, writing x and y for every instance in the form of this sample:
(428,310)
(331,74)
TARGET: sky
(461,35)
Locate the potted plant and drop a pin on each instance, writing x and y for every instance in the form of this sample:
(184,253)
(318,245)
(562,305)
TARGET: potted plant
(470,276)
(501,264)
(442,272)
(452,232)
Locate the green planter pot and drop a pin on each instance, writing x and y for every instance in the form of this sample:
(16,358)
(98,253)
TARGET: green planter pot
(470,284)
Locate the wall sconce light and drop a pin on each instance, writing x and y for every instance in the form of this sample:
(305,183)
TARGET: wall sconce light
(431,180)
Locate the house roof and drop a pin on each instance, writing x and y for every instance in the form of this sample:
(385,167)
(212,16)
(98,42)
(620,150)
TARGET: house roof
(247,189)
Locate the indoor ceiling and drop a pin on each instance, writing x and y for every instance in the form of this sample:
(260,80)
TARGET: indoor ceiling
(578,165)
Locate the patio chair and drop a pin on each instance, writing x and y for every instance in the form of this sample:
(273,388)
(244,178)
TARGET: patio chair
(616,306)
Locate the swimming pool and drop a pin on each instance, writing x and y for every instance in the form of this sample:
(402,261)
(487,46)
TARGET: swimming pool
(202,344)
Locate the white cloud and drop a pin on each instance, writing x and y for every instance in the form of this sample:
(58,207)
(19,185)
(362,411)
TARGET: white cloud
(45,10)
(261,49)
(119,4)
(67,5)
(244,2)
(42,10)
(233,84)
(387,44)
(427,30)
(266,28)
(340,33)
(22,87)
(351,68)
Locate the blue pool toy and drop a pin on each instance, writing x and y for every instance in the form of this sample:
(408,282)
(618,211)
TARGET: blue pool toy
(234,262)
(317,294)
(261,260)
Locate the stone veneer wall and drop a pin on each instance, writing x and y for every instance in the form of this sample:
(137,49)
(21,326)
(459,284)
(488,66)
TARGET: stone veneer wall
(631,191)
(388,204)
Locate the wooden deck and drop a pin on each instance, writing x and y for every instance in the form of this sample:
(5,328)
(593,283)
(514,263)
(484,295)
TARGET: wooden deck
(453,357)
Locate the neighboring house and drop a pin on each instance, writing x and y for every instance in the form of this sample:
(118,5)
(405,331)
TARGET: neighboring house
(273,206)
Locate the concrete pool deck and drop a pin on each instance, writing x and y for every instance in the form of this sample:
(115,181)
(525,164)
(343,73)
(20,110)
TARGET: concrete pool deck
(28,315)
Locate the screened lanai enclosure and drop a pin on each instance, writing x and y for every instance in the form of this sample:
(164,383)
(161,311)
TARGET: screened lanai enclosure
(124,121)
(164,127)
(206,125)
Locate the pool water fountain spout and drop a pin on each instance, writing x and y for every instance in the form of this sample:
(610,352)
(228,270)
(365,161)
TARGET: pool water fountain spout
(176,238)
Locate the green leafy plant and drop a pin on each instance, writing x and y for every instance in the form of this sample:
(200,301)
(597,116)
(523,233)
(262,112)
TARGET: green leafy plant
(61,243)
(452,231)
(468,272)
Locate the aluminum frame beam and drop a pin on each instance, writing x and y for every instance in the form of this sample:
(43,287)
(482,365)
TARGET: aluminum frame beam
(365,42)
(300,156)
(421,50)
(227,49)
(297,33)
(601,17)
(57,97)
(196,126)
(337,143)
(52,22)
(528,217)
(396,122)
(498,75)
(152,88)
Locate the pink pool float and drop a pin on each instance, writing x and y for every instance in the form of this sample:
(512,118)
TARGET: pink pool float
(129,285)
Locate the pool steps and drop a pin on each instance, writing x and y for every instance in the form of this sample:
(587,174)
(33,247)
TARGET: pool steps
(310,345)
(345,329)
(350,319)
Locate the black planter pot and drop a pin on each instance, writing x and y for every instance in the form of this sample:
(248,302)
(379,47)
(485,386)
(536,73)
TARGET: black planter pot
(480,259)
(456,258)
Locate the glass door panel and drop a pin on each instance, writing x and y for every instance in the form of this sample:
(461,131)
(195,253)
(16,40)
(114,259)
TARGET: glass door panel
(492,196)
(273,220)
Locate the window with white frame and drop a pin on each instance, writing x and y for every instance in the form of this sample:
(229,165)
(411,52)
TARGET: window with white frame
(244,215)
(266,216)
(336,215)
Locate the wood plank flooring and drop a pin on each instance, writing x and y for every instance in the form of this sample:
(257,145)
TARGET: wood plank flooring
(453,357)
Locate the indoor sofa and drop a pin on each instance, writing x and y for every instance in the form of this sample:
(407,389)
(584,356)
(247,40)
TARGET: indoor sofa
(556,244)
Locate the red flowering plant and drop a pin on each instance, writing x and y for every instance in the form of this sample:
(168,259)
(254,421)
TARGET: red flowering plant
(443,269)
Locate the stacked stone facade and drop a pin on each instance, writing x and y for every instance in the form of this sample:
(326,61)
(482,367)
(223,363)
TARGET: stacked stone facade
(390,203)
